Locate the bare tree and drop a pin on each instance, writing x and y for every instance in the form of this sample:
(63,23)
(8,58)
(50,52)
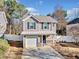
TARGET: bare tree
(60,15)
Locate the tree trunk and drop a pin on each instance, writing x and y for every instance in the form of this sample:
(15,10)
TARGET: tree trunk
(10,29)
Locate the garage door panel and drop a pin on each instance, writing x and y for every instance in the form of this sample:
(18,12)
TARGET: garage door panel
(30,42)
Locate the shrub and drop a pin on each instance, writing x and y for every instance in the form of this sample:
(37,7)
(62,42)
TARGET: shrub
(3,44)
(3,47)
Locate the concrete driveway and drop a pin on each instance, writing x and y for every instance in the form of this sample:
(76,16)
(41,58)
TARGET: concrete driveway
(41,53)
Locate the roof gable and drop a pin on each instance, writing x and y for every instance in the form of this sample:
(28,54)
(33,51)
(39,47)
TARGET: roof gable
(28,17)
(41,18)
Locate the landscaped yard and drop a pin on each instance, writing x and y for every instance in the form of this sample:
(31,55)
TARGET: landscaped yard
(14,53)
(68,50)
(3,47)
(1,54)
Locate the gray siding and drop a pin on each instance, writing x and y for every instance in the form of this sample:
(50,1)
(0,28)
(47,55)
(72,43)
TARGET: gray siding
(39,26)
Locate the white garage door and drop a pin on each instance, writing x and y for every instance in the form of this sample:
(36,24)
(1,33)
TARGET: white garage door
(30,42)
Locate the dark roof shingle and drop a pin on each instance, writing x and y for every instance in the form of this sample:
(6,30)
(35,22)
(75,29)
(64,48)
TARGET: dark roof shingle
(74,21)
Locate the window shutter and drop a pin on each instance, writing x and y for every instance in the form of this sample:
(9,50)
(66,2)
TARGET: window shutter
(48,25)
(27,25)
(42,25)
(34,26)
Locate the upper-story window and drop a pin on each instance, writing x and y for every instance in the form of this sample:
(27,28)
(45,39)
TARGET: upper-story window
(45,25)
(31,25)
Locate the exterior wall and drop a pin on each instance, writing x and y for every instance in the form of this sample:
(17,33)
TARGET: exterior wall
(37,42)
(54,27)
(39,39)
(51,29)
(39,32)
(25,24)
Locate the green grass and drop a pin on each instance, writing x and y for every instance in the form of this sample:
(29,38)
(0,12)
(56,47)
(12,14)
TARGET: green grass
(3,47)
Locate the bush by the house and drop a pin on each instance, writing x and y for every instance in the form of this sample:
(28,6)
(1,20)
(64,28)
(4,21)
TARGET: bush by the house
(3,47)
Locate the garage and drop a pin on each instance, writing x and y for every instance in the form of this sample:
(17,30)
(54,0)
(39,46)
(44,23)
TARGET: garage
(30,41)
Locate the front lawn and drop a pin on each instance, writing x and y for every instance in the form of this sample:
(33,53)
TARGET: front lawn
(3,47)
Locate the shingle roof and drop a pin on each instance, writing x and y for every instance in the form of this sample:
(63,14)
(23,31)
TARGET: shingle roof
(74,21)
(44,19)
(41,18)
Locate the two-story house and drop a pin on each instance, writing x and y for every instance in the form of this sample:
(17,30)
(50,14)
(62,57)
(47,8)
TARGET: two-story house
(37,29)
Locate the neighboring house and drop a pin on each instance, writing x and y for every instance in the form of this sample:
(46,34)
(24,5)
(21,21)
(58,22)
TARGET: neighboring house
(37,30)
(75,21)
(73,27)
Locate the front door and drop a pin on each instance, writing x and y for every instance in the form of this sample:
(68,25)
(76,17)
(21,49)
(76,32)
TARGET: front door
(44,38)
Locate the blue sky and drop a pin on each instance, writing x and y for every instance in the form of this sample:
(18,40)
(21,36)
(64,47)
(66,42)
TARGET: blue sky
(44,7)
